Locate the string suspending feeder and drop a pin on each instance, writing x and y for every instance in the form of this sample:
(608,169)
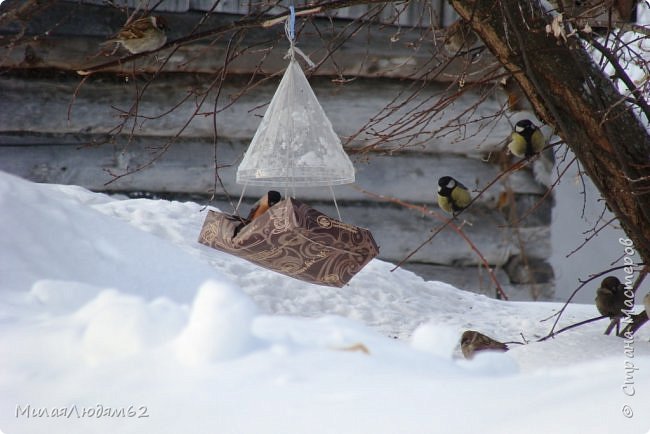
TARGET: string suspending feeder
(295,146)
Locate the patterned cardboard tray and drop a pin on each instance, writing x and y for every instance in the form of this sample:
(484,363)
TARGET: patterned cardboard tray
(296,240)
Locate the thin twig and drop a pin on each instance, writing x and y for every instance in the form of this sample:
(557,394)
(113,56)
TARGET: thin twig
(559,313)
(635,324)
(622,74)
(222,78)
(546,194)
(590,237)
(449,223)
(578,324)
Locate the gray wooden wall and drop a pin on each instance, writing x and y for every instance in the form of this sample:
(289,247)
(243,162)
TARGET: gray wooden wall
(54,130)
(414,12)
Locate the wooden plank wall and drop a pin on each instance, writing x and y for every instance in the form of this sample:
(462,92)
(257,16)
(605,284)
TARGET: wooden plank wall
(414,12)
(51,128)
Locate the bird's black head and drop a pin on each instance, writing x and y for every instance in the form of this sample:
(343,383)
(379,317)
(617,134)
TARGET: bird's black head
(273,197)
(524,125)
(446,183)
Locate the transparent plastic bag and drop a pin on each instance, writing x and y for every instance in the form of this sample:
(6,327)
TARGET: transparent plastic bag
(295,144)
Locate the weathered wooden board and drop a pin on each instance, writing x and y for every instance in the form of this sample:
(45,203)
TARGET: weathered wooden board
(188,167)
(414,12)
(51,106)
(68,36)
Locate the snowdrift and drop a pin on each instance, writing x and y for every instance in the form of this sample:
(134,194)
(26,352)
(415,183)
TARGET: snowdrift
(114,319)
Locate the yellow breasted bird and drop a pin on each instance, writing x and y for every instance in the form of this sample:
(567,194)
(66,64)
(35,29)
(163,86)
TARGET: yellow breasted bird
(526,140)
(453,196)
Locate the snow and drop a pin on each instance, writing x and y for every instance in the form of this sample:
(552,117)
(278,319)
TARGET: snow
(111,306)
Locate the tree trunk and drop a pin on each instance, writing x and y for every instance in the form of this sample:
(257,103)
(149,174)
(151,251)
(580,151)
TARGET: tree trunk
(569,92)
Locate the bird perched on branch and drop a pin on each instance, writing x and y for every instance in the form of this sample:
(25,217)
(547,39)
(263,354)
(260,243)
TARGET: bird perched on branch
(517,100)
(142,35)
(526,139)
(610,301)
(453,196)
(472,342)
(260,207)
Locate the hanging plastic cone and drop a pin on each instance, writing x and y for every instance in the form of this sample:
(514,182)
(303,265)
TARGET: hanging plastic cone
(295,144)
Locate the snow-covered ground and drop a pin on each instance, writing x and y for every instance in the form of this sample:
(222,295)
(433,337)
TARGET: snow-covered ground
(111,308)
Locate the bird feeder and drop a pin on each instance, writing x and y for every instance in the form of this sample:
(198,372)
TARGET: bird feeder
(296,240)
(295,146)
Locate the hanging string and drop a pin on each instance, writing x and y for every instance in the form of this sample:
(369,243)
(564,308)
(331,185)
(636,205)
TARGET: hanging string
(292,24)
(290,31)
(335,204)
(243,190)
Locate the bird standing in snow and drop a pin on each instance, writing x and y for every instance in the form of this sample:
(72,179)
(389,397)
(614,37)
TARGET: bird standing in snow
(610,301)
(142,35)
(472,341)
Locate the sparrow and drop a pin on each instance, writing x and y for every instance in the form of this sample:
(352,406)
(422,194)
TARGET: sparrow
(453,196)
(472,341)
(517,100)
(260,207)
(460,38)
(526,140)
(142,35)
(610,300)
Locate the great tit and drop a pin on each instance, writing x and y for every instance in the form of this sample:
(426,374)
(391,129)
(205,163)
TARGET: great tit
(260,207)
(526,140)
(610,299)
(472,341)
(453,196)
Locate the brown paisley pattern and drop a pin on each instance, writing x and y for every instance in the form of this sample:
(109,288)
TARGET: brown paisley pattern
(296,240)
